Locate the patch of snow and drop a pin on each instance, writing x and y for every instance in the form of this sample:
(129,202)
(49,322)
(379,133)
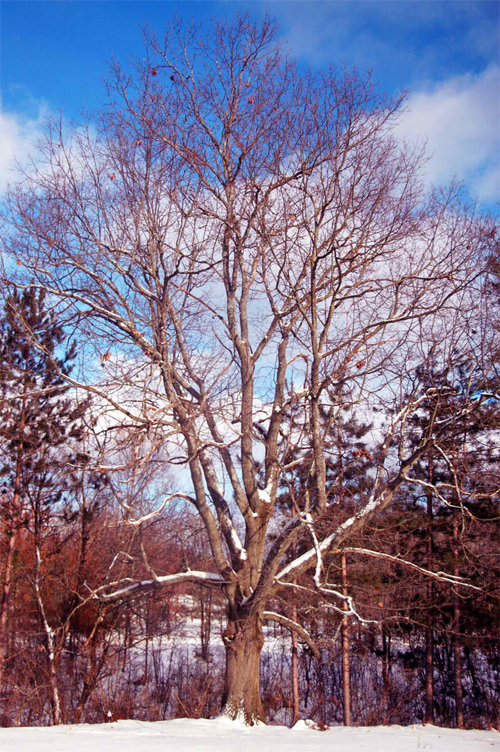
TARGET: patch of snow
(264,495)
(237,544)
(223,735)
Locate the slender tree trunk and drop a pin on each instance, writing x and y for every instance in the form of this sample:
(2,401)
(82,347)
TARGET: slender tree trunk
(456,636)
(96,663)
(429,675)
(13,530)
(295,653)
(5,600)
(90,680)
(346,679)
(205,624)
(52,649)
(243,639)
(386,665)
(295,673)
(429,636)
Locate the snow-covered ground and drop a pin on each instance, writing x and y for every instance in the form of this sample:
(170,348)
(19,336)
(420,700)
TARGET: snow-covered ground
(222,735)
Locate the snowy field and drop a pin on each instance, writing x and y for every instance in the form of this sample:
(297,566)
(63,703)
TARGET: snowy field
(221,735)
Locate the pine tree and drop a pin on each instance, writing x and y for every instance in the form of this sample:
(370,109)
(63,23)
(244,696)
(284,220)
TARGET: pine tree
(461,477)
(39,423)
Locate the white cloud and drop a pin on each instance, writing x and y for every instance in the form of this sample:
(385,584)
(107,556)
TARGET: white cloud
(18,135)
(460,118)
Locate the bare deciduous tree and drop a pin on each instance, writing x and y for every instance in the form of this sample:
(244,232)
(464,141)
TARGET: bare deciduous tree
(239,244)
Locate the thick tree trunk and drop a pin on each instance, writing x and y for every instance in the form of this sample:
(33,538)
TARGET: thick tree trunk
(243,639)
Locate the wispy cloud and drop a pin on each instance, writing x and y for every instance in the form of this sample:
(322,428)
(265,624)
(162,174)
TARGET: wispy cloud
(460,118)
(403,41)
(18,135)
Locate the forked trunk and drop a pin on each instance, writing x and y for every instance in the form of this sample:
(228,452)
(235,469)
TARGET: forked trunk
(243,639)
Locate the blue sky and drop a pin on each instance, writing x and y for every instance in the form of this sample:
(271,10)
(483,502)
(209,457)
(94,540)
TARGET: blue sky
(53,57)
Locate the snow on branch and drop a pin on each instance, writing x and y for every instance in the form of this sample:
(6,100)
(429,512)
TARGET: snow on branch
(169,579)
(319,561)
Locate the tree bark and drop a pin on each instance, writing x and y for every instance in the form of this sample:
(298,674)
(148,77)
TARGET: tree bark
(243,639)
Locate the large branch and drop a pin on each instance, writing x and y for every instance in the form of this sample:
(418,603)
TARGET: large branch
(204,578)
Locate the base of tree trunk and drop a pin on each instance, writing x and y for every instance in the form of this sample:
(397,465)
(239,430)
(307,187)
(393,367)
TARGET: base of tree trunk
(243,640)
